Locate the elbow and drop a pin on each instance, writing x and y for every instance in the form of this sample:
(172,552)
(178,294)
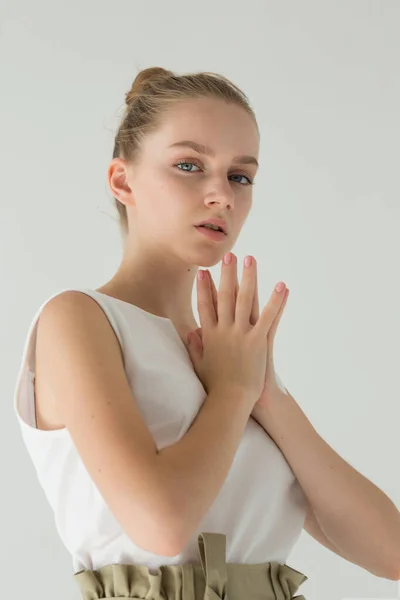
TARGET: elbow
(167,533)
(174,534)
(170,534)
(168,547)
(169,521)
(391,576)
(172,523)
(154,528)
(393,573)
(396,573)
(173,530)
(156,536)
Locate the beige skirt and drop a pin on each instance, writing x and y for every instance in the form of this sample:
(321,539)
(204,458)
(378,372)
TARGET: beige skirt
(211,579)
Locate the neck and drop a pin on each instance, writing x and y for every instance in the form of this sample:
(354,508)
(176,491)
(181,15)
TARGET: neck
(157,286)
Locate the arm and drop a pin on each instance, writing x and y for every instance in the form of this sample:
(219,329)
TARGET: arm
(313,528)
(157,496)
(353,514)
(196,467)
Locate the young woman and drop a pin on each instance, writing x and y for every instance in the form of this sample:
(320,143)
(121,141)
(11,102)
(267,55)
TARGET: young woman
(162,486)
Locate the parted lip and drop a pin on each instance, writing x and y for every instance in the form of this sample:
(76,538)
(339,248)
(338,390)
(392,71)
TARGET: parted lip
(219,222)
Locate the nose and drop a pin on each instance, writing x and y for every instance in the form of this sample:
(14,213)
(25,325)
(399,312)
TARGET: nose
(222,194)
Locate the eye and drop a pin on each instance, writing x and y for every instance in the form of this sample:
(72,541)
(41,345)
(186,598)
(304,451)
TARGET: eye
(187,162)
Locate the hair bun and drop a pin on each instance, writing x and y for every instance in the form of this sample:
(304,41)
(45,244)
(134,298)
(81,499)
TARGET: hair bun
(142,78)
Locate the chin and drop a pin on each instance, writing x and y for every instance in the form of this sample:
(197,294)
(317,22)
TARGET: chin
(207,259)
(209,255)
(209,263)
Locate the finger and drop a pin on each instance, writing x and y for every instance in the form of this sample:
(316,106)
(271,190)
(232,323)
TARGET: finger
(271,311)
(236,290)
(245,296)
(205,305)
(226,292)
(214,292)
(255,310)
(274,326)
(273,329)
(197,340)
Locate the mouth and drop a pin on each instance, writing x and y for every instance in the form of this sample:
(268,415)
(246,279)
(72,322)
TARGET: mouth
(218,224)
(211,234)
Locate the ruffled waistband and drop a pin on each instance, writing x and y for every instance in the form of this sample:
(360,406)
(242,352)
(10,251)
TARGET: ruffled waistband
(211,579)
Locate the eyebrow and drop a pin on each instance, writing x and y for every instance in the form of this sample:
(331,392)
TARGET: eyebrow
(201,149)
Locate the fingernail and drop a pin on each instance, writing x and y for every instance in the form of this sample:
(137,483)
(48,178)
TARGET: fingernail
(200,274)
(247,261)
(227,258)
(280,287)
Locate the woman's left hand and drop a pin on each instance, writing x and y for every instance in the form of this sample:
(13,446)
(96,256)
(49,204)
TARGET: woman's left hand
(271,387)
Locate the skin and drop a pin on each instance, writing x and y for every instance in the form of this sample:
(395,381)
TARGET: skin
(164,251)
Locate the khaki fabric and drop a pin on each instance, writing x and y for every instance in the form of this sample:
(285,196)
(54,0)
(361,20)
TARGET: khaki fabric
(210,579)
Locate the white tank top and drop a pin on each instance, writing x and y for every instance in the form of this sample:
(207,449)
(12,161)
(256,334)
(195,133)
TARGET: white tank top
(260,508)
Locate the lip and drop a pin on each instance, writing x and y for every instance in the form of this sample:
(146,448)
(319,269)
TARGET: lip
(218,222)
(211,234)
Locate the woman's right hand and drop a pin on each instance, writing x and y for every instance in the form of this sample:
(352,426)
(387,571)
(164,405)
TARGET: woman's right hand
(232,351)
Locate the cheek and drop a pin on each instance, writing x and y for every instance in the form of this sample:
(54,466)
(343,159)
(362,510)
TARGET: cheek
(166,206)
(175,197)
(245,209)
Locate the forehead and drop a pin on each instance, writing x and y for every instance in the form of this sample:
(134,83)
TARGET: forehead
(217,125)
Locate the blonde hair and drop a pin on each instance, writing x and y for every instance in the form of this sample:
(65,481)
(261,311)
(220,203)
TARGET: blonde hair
(153,92)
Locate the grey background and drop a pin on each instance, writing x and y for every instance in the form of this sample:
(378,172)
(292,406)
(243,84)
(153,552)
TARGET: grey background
(324,80)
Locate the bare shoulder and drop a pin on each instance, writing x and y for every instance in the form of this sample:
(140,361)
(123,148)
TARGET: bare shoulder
(74,339)
(61,320)
(76,316)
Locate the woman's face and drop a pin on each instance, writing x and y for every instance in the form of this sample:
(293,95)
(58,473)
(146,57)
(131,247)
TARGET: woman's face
(168,199)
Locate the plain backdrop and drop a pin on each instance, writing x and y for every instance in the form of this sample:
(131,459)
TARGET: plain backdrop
(324,81)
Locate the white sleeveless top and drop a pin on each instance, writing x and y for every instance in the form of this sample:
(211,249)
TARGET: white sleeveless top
(260,508)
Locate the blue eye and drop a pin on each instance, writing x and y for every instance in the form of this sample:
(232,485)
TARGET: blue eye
(186,162)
